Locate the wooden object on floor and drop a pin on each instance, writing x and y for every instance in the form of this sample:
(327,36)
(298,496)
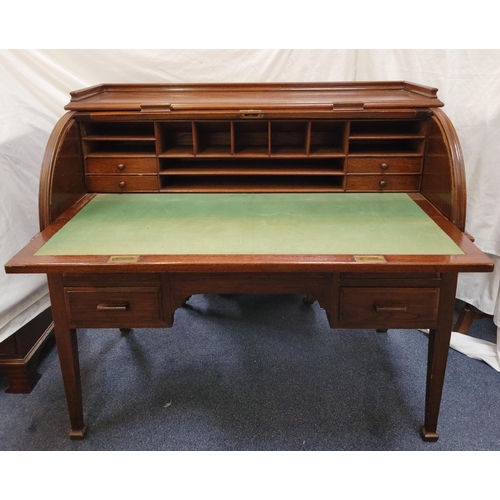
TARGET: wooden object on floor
(215,140)
(19,353)
(466,317)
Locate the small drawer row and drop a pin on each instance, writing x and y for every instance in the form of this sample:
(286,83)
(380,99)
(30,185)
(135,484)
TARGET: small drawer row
(358,307)
(148,165)
(252,183)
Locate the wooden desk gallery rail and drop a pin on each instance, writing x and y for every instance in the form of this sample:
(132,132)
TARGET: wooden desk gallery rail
(352,194)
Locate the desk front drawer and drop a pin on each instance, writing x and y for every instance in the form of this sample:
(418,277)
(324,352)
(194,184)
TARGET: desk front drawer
(382,182)
(115,307)
(121,165)
(388,165)
(121,183)
(367,307)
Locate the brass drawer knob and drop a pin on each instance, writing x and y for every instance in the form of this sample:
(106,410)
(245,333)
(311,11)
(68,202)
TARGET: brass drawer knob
(122,184)
(121,166)
(383,184)
(384,166)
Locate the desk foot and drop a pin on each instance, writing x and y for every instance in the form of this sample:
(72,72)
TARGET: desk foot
(430,437)
(467,315)
(78,434)
(308,300)
(125,331)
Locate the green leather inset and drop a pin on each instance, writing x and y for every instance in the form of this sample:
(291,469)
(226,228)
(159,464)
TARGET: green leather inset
(267,223)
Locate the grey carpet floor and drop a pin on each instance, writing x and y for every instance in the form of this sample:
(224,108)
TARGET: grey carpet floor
(256,372)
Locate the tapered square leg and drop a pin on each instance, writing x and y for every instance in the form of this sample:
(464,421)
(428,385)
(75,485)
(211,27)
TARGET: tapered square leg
(67,350)
(439,346)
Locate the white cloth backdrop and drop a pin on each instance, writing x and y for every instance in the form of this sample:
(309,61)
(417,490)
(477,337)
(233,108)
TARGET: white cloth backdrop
(35,86)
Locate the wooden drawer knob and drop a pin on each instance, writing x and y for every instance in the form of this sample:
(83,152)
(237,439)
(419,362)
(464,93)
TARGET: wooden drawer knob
(383,184)
(121,166)
(384,166)
(122,184)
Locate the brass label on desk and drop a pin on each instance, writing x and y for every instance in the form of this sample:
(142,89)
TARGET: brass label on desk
(251,113)
(122,259)
(369,258)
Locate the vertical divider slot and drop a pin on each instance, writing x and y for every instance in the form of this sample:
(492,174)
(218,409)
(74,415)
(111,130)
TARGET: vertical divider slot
(195,138)
(213,138)
(328,138)
(308,139)
(175,138)
(288,138)
(251,138)
(233,140)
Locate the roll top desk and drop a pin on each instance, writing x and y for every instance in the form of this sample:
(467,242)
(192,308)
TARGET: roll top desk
(253,188)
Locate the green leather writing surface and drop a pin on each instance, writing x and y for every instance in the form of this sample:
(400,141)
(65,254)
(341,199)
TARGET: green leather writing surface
(267,223)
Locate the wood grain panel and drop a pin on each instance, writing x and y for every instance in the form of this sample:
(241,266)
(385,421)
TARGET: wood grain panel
(62,181)
(121,183)
(125,165)
(384,165)
(382,183)
(116,307)
(372,307)
(443,179)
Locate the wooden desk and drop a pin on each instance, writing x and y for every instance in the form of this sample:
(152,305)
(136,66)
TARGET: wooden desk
(351,194)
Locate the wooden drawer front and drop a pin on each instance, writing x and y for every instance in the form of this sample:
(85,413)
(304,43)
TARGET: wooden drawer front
(361,307)
(121,165)
(121,183)
(389,165)
(114,307)
(111,280)
(382,183)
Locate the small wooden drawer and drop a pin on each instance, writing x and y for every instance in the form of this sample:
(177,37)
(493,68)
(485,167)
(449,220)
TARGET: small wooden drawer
(115,307)
(382,183)
(121,183)
(388,165)
(370,307)
(121,165)
(111,280)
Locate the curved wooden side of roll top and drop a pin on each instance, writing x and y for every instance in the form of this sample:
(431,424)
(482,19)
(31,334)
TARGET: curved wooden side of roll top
(62,178)
(443,177)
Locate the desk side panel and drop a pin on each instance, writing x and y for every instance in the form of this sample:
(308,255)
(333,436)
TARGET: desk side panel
(62,181)
(443,179)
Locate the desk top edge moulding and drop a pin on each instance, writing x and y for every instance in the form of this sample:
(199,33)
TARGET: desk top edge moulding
(351,193)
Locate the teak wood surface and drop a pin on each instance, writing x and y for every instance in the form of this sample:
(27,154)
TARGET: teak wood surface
(253,138)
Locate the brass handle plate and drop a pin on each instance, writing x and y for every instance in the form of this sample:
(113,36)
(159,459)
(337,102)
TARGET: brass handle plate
(122,259)
(251,113)
(113,307)
(390,307)
(369,258)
